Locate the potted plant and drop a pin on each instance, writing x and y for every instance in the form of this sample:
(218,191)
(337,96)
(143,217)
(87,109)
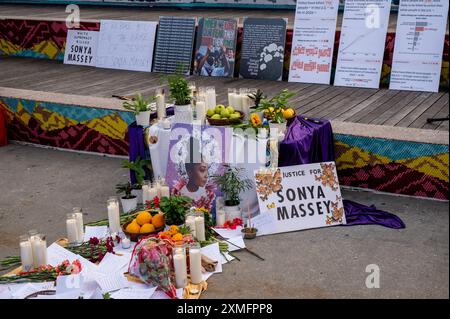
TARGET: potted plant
(232,183)
(180,94)
(128,200)
(139,167)
(141,108)
(277,109)
(174,208)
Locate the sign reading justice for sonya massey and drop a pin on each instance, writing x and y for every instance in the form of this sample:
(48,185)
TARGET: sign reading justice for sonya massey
(299,197)
(81,47)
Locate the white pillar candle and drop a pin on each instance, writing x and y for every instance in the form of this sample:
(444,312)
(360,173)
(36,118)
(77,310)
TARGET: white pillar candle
(39,247)
(179,263)
(246,103)
(200,228)
(145,193)
(33,240)
(114,217)
(165,191)
(200,110)
(26,255)
(220,217)
(210,98)
(161,106)
(72,231)
(152,192)
(80,226)
(195,265)
(126,243)
(190,221)
(234,99)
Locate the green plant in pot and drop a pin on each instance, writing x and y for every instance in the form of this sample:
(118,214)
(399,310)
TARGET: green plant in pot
(180,94)
(232,183)
(128,200)
(141,108)
(174,208)
(140,167)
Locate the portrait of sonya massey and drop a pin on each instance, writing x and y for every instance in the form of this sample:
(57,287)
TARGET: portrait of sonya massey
(195,156)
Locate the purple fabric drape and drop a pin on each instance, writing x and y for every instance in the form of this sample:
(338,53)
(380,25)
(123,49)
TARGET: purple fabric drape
(137,144)
(307,140)
(357,214)
(310,140)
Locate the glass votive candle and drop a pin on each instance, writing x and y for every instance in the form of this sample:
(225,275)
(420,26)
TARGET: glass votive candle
(200,226)
(195,263)
(190,221)
(26,253)
(179,264)
(72,229)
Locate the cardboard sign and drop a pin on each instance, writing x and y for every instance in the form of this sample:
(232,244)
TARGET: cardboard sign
(298,197)
(361,46)
(313,41)
(126,45)
(419,43)
(215,48)
(262,53)
(81,47)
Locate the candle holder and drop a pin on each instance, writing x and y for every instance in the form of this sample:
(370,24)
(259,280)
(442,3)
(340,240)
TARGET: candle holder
(113,214)
(195,263)
(190,221)
(179,263)
(78,213)
(72,230)
(26,253)
(200,225)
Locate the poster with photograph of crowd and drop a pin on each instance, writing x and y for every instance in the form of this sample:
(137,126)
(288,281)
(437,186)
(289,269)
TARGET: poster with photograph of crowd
(262,53)
(215,48)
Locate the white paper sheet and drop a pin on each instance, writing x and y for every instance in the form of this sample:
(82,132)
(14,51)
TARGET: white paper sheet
(57,254)
(69,283)
(133,293)
(5,293)
(111,282)
(235,243)
(229,233)
(159,294)
(95,231)
(70,294)
(30,288)
(112,263)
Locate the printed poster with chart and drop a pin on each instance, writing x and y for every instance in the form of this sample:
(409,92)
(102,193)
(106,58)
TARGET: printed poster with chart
(313,41)
(298,197)
(419,44)
(174,45)
(215,47)
(262,53)
(126,45)
(361,46)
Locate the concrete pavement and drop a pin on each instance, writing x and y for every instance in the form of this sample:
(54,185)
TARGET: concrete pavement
(39,186)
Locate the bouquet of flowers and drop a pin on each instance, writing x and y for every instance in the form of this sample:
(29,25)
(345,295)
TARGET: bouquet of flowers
(151,262)
(44,273)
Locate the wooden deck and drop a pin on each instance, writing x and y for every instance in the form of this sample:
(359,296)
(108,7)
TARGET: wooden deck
(55,12)
(370,106)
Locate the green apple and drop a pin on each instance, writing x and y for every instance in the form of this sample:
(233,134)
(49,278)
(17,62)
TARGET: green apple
(216,117)
(230,109)
(235,116)
(237,113)
(210,112)
(219,108)
(225,113)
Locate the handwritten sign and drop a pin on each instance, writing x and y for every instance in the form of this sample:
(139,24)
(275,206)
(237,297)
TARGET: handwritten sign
(81,47)
(126,45)
(298,197)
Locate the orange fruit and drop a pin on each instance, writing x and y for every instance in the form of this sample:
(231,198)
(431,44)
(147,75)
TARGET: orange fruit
(133,227)
(144,218)
(158,220)
(147,228)
(173,229)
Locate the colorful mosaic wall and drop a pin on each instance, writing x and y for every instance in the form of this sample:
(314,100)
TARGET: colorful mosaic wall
(391,166)
(46,39)
(67,126)
(36,39)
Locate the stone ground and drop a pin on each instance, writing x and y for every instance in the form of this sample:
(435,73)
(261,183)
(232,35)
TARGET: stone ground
(39,186)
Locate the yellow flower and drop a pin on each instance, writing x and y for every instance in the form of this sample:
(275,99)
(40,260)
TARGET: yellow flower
(173,229)
(202,209)
(256,121)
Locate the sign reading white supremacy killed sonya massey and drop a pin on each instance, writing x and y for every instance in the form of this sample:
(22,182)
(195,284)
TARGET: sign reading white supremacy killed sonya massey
(81,47)
(298,197)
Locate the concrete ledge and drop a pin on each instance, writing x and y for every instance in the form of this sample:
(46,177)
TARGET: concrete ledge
(67,99)
(391,132)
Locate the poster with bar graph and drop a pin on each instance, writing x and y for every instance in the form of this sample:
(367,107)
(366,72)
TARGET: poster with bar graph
(419,44)
(313,41)
(361,45)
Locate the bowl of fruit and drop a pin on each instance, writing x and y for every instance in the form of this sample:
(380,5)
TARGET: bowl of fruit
(143,225)
(224,115)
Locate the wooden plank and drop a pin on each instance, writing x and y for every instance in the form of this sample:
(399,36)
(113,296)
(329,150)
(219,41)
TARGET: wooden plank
(405,110)
(325,105)
(386,111)
(420,109)
(421,121)
(443,112)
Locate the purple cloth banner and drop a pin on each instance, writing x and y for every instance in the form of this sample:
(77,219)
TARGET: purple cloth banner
(310,140)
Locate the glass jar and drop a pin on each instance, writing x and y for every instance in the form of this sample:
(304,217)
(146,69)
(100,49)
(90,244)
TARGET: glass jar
(190,221)
(195,263)
(26,253)
(210,97)
(179,264)
(78,212)
(200,226)
(160,103)
(221,217)
(39,248)
(72,230)
(200,109)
